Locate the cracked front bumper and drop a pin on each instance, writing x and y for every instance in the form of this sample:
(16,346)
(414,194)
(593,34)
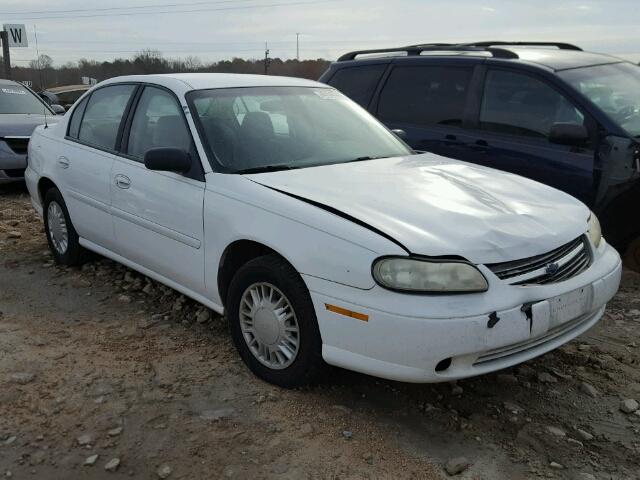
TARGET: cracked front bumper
(410,337)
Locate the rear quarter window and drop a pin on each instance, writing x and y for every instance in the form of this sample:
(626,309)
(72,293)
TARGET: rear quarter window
(358,83)
(76,117)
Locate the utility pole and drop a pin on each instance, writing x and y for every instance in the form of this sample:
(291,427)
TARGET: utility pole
(4,36)
(298,46)
(267,61)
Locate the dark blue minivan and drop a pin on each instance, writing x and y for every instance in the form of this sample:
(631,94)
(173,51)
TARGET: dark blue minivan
(547,111)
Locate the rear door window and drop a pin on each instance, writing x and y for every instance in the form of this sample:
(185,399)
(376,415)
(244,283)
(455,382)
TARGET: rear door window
(358,83)
(518,104)
(103,115)
(425,95)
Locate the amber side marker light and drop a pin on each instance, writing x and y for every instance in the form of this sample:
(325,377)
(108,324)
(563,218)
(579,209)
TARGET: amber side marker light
(347,313)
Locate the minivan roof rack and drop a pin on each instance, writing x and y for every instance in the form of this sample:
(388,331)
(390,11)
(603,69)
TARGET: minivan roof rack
(491,47)
(559,45)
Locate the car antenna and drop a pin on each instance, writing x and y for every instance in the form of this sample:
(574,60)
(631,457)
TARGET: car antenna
(44,107)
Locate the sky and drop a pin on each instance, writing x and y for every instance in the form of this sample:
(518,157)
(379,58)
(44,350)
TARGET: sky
(222,29)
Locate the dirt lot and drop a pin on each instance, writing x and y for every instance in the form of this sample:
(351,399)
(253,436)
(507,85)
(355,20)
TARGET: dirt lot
(102,361)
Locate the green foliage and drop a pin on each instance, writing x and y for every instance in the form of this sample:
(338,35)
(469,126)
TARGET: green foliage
(150,61)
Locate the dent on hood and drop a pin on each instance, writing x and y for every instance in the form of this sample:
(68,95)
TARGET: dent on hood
(435,206)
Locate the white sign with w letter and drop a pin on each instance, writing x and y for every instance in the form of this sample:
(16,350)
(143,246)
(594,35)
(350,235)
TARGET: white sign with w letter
(16,34)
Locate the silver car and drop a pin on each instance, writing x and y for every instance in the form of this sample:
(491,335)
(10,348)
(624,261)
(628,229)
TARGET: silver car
(21,111)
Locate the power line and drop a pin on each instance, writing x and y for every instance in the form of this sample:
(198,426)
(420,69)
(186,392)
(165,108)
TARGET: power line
(169,42)
(157,5)
(120,14)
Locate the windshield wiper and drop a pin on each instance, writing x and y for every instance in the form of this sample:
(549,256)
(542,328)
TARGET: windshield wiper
(266,169)
(366,157)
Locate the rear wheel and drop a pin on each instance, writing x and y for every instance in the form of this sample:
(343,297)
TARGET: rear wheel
(61,235)
(273,323)
(632,255)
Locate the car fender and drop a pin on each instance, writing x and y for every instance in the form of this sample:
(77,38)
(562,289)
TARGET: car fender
(316,242)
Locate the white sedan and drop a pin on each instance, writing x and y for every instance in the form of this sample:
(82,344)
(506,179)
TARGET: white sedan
(322,237)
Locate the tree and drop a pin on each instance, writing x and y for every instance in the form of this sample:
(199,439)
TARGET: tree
(150,61)
(192,63)
(42,62)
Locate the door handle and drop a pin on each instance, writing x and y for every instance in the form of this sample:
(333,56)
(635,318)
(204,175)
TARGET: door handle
(63,162)
(122,181)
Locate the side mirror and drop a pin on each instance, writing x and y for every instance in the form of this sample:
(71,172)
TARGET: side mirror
(167,159)
(568,134)
(58,109)
(401,134)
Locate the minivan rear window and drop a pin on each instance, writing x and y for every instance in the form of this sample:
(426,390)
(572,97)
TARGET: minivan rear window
(425,95)
(358,83)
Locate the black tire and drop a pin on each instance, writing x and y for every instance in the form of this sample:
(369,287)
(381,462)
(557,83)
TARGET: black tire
(632,255)
(74,253)
(308,364)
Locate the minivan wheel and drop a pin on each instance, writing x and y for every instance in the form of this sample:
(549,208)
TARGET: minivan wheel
(632,255)
(273,323)
(61,235)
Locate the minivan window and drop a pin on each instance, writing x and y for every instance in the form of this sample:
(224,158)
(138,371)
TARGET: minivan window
(287,127)
(425,95)
(358,83)
(615,88)
(103,114)
(519,104)
(158,122)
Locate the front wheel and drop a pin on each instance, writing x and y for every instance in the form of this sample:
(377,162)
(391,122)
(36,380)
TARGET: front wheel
(273,323)
(61,235)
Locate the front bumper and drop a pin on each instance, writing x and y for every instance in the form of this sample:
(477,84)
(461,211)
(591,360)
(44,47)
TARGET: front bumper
(407,336)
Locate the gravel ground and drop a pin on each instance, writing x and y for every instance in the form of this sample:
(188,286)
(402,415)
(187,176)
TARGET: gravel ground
(106,374)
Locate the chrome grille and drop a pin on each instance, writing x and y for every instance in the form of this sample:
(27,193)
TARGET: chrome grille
(555,266)
(17,144)
(14,172)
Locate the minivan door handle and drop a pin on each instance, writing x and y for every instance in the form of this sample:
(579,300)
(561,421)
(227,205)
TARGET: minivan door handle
(451,140)
(122,181)
(63,162)
(480,146)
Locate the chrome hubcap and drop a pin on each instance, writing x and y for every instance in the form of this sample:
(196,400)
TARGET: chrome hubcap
(269,325)
(57,228)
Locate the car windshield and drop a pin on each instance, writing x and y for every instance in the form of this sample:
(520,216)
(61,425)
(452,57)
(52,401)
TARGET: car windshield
(17,99)
(273,128)
(615,88)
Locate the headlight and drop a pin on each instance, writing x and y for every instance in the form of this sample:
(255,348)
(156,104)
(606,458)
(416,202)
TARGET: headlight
(594,231)
(416,275)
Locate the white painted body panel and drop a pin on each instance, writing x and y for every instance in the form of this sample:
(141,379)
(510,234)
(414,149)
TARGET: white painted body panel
(176,231)
(158,222)
(429,203)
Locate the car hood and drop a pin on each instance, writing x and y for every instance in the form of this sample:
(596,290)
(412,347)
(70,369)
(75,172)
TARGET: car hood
(22,125)
(436,206)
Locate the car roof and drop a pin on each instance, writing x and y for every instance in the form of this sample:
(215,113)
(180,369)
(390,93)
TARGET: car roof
(183,82)
(4,81)
(563,59)
(67,88)
(553,56)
